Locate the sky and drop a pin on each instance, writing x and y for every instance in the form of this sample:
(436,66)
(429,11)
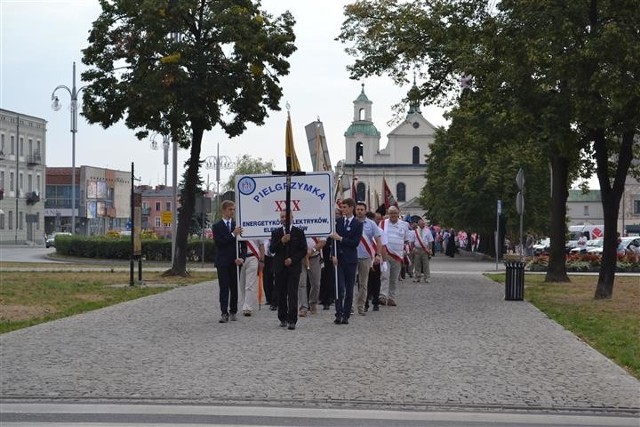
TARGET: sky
(40,40)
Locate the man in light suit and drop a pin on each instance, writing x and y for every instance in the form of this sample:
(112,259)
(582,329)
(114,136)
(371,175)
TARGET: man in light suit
(289,248)
(227,261)
(347,237)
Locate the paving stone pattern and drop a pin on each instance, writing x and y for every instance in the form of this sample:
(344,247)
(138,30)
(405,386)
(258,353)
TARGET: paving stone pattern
(452,343)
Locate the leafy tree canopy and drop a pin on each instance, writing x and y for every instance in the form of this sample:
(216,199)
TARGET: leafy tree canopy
(247,165)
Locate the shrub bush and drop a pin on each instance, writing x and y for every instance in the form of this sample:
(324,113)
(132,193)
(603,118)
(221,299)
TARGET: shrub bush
(119,248)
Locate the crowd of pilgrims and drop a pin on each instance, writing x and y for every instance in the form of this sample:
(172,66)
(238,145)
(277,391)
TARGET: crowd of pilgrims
(295,275)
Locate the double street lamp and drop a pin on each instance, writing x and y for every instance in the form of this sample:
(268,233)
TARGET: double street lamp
(56,105)
(218,162)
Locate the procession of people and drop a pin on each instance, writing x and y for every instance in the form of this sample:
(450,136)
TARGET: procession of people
(355,268)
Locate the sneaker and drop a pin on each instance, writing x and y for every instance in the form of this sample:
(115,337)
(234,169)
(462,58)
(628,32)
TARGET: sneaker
(233,317)
(427,281)
(224,318)
(314,308)
(338,321)
(345,321)
(391,302)
(291,326)
(283,324)
(361,312)
(382,300)
(302,312)
(246,313)
(273,307)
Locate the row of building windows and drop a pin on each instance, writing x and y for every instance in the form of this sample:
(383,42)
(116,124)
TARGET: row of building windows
(12,184)
(401,192)
(145,206)
(415,154)
(7,220)
(12,146)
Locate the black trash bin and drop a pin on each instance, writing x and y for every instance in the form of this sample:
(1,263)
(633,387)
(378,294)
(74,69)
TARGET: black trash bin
(514,283)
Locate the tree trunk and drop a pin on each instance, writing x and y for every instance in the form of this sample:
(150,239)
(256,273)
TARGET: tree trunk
(557,270)
(188,201)
(611,197)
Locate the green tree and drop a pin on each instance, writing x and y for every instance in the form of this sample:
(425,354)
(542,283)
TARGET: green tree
(549,60)
(247,165)
(470,167)
(182,67)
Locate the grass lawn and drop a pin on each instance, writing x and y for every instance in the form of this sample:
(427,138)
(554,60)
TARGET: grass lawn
(29,298)
(610,326)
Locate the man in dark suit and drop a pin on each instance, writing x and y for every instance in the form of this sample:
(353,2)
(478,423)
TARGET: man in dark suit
(347,237)
(227,261)
(289,249)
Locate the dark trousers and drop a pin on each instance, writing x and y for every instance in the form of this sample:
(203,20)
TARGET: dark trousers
(228,282)
(267,281)
(346,282)
(287,293)
(327,284)
(373,285)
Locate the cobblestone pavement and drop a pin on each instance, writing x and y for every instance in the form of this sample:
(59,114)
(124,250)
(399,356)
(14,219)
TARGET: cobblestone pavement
(452,343)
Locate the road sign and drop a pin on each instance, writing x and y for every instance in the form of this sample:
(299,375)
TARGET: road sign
(520,179)
(519,203)
(166,217)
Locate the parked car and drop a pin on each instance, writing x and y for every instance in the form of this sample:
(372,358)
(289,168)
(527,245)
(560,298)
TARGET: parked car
(542,246)
(50,242)
(630,245)
(591,244)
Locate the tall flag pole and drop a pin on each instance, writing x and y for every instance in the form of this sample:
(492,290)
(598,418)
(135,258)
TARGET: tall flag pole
(293,165)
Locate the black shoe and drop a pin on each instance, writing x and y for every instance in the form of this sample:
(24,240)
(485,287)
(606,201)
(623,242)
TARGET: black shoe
(291,326)
(224,318)
(338,321)
(376,308)
(273,307)
(345,321)
(283,324)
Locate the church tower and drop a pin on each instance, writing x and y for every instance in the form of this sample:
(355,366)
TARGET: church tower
(401,163)
(362,137)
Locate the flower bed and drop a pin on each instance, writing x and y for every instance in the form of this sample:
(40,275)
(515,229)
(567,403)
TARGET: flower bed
(586,263)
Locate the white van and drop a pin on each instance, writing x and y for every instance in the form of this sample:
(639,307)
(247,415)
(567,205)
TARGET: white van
(591,232)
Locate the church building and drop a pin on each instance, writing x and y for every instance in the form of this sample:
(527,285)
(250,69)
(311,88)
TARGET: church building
(401,163)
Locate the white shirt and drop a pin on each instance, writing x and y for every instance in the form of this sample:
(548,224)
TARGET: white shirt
(396,234)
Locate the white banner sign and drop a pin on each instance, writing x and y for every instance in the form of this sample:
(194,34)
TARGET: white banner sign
(261,198)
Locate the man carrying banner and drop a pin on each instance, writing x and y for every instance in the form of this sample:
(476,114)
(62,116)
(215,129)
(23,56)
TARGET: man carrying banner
(369,253)
(397,235)
(347,238)
(227,261)
(289,249)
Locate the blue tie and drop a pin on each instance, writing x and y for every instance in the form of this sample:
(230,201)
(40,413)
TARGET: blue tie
(229,225)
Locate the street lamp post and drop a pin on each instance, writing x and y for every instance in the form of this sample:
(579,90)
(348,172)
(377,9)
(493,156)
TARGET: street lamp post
(218,162)
(166,143)
(74,129)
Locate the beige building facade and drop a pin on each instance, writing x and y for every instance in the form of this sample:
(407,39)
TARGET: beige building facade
(401,163)
(22,178)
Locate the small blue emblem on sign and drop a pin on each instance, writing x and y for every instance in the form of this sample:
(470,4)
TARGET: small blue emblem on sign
(246,185)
